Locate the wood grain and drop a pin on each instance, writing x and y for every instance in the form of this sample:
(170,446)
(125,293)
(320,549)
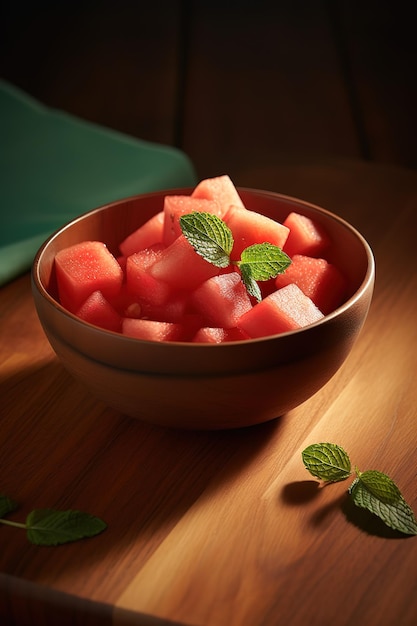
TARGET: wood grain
(209,529)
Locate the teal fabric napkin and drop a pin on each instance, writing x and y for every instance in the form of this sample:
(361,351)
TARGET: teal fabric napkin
(54,167)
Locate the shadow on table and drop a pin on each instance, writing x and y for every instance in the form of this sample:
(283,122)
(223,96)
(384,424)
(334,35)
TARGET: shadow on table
(60,448)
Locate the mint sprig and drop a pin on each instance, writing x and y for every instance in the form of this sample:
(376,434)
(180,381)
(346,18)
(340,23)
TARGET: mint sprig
(371,490)
(49,527)
(213,240)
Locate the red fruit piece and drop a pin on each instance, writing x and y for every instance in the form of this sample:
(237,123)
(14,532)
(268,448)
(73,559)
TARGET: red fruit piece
(285,309)
(181,267)
(249,227)
(175,206)
(305,237)
(98,311)
(151,330)
(208,334)
(139,280)
(220,189)
(145,236)
(84,268)
(222,300)
(317,278)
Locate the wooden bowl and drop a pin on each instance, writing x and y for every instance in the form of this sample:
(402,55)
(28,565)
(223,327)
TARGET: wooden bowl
(203,386)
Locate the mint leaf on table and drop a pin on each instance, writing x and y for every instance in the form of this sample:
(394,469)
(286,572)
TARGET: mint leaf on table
(371,490)
(210,237)
(327,461)
(377,493)
(48,527)
(6,505)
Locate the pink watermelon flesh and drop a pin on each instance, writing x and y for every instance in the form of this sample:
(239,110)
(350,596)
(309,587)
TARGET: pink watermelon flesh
(210,335)
(176,206)
(145,236)
(222,300)
(284,310)
(98,311)
(84,268)
(140,281)
(220,189)
(151,330)
(249,227)
(305,236)
(181,267)
(317,278)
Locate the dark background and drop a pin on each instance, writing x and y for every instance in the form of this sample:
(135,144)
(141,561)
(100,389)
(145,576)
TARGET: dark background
(239,86)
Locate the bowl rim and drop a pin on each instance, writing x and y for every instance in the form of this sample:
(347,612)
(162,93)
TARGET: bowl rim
(366,283)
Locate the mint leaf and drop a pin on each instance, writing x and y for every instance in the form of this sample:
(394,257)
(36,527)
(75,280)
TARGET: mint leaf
(250,283)
(327,461)
(376,493)
(210,237)
(380,486)
(48,527)
(265,260)
(6,505)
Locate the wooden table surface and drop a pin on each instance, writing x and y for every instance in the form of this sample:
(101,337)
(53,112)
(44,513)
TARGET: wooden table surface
(223,528)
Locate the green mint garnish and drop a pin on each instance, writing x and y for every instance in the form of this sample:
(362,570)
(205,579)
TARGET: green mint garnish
(48,527)
(213,240)
(371,490)
(327,462)
(249,281)
(6,505)
(375,492)
(265,260)
(210,237)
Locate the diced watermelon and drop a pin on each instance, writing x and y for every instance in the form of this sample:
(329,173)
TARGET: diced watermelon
(141,283)
(175,206)
(222,300)
(84,268)
(172,310)
(145,236)
(181,267)
(317,278)
(151,330)
(305,236)
(220,189)
(208,334)
(284,310)
(98,311)
(249,227)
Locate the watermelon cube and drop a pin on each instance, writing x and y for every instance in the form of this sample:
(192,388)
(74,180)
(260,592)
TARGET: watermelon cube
(284,310)
(98,311)
(145,236)
(84,268)
(208,334)
(139,280)
(318,279)
(151,330)
(222,300)
(172,310)
(305,236)
(250,227)
(220,189)
(175,206)
(181,267)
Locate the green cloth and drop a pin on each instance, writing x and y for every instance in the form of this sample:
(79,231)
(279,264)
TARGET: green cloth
(54,167)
